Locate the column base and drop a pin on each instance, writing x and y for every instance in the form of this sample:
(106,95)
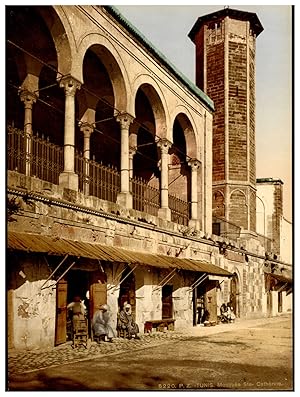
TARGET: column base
(194,223)
(69,180)
(164,213)
(124,199)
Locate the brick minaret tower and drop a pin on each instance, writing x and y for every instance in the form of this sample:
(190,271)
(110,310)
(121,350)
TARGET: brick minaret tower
(225,71)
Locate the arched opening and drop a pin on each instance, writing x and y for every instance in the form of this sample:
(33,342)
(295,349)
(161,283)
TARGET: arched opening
(97,107)
(179,170)
(32,65)
(238,209)
(234,294)
(146,175)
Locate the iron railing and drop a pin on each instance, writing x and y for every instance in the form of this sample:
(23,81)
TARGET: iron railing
(145,198)
(104,181)
(45,161)
(180,210)
(16,150)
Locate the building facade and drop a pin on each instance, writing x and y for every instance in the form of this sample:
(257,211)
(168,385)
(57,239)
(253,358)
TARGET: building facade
(109,181)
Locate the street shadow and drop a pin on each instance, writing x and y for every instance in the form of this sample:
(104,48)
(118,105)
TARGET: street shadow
(44,382)
(217,342)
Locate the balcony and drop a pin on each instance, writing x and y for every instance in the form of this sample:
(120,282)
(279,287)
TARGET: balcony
(36,156)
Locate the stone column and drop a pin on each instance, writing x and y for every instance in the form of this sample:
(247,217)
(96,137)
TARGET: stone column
(125,197)
(28,98)
(87,130)
(164,211)
(194,221)
(132,152)
(68,178)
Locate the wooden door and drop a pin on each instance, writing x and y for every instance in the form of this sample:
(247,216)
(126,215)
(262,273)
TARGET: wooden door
(234,294)
(61,312)
(280,302)
(211,300)
(167,301)
(269,303)
(98,297)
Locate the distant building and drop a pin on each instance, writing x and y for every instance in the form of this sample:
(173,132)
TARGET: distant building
(270,221)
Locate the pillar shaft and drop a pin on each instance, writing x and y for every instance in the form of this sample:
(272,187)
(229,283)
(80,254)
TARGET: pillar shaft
(28,98)
(125,197)
(194,164)
(87,130)
(68,178)
(164,146)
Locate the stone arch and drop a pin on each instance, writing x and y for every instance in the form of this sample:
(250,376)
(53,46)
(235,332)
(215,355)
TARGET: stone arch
(189,129)
(113,63)
(158,103)
(61,32)
(235,291)
(235,191)
(238,208)
(218,204)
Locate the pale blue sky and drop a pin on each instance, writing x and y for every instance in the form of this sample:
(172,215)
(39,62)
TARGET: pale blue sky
(167,27)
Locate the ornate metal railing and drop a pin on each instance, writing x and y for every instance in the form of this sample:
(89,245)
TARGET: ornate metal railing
(145,198)
(16,150)
(104,182)
(180,210)
(36,156)
(44,159)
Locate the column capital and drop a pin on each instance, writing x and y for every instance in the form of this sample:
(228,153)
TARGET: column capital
(70,85)
(164,144)
(194,164)
(86,128)
(132,150)
(29,98)
(125,119)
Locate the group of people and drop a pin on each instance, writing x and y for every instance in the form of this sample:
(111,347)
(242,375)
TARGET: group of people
(227,313)
(101,322)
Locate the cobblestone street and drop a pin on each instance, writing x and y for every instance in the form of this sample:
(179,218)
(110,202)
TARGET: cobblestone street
(20,361)
(249,354)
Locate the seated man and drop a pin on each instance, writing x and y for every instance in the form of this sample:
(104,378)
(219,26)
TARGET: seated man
(100,324)
(126,321)
(230,313)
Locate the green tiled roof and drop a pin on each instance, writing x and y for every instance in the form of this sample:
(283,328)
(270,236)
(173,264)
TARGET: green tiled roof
(136,33)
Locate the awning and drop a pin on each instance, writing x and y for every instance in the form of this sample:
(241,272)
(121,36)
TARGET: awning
(277,282)
(59,246)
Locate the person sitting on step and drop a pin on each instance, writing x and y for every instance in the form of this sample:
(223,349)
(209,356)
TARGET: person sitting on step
(101,324)
(127,322)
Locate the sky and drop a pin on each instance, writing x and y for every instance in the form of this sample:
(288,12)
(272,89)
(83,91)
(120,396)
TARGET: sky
(167,27)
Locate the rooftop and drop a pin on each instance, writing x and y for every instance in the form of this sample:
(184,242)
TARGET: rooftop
(256,26)
(161,58)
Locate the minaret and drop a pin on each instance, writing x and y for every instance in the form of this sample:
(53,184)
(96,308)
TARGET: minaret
(225,71)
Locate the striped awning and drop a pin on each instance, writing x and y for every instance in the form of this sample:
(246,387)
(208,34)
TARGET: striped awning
(59,246)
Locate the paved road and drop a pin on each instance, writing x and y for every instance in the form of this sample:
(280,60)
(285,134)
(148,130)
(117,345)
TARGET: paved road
(248,355)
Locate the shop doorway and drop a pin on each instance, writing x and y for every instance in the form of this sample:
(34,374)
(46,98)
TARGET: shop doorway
(167,301)
(280,302)
(127,289)
(90,286)
(205,302)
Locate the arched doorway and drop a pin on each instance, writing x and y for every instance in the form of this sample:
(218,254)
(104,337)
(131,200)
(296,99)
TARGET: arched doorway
(234,294)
